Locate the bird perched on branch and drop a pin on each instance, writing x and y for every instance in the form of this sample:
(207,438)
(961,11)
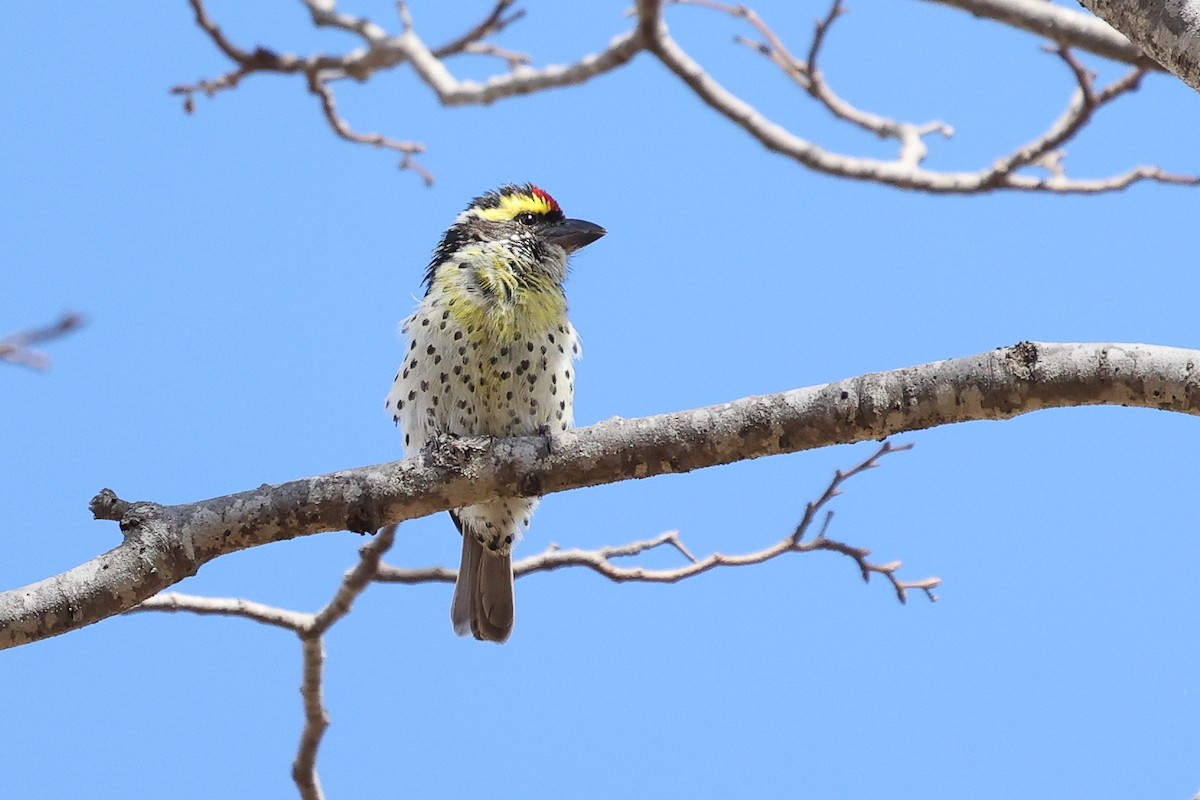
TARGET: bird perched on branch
(490,352)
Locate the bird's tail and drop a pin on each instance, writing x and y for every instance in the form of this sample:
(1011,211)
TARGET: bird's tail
(483,602)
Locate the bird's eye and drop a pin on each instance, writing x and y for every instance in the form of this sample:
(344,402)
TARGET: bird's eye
(528,218)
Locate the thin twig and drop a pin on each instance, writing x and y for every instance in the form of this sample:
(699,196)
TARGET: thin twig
(494,23)
(342,128)
(316,717)
(601,560)
(384,51)
(295,621)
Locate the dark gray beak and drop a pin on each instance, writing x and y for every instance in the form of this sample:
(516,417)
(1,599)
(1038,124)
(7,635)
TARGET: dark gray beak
(574,234)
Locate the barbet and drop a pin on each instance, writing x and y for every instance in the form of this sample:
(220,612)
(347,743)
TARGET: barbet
(490,351)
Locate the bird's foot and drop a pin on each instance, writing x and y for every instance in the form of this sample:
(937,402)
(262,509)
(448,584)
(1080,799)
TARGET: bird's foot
(452,450)
(550,437)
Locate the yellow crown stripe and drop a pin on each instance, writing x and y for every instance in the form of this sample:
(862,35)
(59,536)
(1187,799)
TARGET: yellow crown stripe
(512,205)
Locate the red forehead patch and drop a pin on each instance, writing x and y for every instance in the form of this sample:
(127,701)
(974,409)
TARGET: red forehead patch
(539,192)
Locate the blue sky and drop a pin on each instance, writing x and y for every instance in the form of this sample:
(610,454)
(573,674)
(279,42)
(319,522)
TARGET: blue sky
(243,273)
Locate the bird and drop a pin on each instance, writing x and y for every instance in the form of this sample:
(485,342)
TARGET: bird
(490,352)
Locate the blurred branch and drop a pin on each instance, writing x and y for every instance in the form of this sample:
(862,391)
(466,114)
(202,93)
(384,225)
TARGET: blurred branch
(16,348)
(904,172)
(601,560)
(164,544)
(383,50)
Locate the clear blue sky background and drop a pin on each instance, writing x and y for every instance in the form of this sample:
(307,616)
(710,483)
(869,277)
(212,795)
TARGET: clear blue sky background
(243,273)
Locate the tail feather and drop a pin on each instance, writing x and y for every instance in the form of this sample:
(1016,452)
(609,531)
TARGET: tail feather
(483,602)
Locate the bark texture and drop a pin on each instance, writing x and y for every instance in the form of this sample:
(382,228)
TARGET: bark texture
(164,544)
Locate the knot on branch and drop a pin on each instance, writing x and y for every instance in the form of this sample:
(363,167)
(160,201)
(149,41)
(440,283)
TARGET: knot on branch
(106,505)
(129,516)
(1023,358)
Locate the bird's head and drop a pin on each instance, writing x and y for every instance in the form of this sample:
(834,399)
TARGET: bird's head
(521,222)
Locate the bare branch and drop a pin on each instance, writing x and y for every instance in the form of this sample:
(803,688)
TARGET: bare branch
(601,560)
(1085,101)
(1060,25)
(16,348)
(494,23)
(384,51)
(322,90)
(809,77)
(316,717)
(354,582)
(164,544)
(905,171)
(294,621)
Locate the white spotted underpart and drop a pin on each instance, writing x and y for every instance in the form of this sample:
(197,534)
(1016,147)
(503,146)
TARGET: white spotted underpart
(464,376)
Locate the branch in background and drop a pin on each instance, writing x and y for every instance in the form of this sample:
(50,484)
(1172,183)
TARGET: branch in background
(384,51)
(16,348)
(164,544)
(905,171)
(312,627)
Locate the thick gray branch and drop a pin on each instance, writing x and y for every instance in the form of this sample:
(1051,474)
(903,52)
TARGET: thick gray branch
(164,544)
(1062,25)
(1166,30)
